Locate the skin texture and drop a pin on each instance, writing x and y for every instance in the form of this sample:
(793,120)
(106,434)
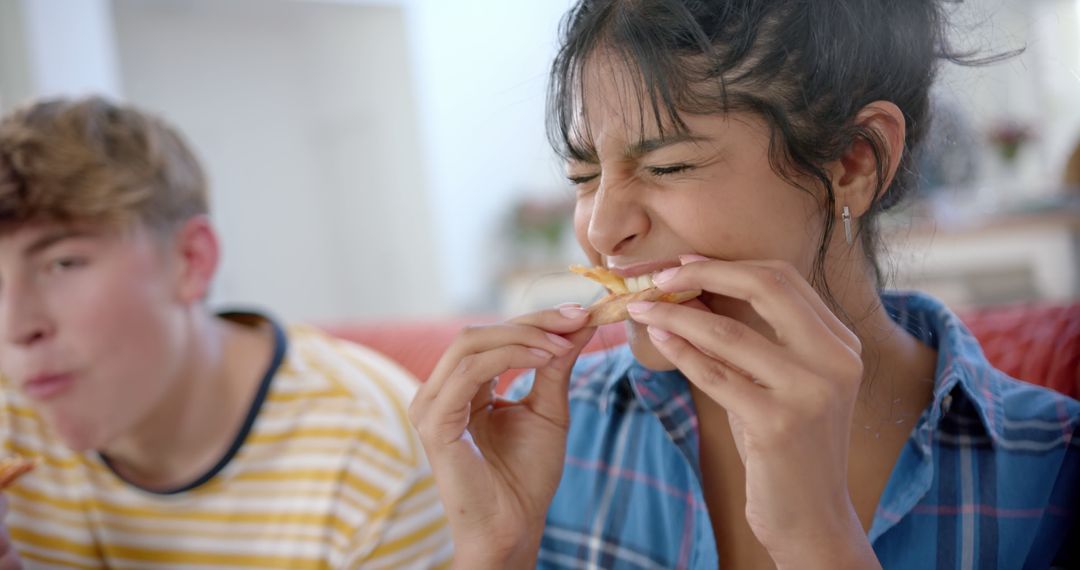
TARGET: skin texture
(777,378)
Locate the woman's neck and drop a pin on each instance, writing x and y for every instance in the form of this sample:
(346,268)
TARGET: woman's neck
(898,369)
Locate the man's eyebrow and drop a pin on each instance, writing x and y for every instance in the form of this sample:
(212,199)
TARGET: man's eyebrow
(645,146)
(49,239)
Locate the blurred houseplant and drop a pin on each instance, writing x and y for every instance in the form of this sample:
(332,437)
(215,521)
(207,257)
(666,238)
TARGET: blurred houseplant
(539,228)
(1008,138)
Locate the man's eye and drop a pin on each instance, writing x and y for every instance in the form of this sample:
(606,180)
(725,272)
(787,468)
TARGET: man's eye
(66,263)
(666,170)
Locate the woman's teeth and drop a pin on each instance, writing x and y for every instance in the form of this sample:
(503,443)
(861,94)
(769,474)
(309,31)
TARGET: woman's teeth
(639,283)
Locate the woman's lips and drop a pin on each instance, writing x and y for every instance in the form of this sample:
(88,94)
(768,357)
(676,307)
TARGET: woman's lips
(45,386)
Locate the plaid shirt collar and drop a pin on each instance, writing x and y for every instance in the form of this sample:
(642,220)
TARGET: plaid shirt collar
(962,369)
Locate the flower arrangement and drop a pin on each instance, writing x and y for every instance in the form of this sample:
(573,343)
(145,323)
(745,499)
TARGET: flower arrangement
(541,221)
(1008,137)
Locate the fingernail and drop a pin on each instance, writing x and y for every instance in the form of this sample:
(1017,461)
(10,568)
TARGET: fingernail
(691,258)
(658,334)
(638,307)
(560,340)
(572,311)
(542,353)
(665,275)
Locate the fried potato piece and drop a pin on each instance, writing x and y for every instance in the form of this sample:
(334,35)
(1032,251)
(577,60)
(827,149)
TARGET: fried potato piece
(603,276)
(612,309)
(12,468)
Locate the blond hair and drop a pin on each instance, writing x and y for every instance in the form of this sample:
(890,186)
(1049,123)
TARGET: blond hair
(90,160)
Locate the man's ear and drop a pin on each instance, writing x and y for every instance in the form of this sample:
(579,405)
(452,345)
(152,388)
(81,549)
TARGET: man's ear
(197,249)
(855,174)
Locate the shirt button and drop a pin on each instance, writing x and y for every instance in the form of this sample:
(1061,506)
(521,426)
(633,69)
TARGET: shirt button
(946,403)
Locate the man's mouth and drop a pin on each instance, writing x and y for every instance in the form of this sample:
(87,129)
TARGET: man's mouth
(46,385)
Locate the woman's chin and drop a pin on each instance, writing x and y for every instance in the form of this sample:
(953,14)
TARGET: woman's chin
(643,348)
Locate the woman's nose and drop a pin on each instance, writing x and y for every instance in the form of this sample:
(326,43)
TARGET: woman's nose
(618,218)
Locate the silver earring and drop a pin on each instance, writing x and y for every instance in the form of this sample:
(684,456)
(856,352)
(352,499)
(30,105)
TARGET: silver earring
(847,224)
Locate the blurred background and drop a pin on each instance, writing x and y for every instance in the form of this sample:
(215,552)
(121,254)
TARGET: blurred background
(386,159)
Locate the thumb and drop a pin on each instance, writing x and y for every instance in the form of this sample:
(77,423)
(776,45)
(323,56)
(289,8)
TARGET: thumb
(551,387)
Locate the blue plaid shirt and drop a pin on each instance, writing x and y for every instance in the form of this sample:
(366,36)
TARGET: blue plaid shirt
(990,477)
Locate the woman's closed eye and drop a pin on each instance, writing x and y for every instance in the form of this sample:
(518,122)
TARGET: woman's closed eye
(658,171)
(579,179)
(667,170)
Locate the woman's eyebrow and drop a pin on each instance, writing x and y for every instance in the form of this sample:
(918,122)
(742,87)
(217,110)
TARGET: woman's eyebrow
(645,146)
(587,154)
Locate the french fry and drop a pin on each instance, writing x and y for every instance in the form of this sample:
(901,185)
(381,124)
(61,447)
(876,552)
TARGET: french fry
(612,307)
(12,468)
(603,276)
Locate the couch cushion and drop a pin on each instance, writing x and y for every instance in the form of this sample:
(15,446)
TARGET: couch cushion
(418,345)
(1038,343)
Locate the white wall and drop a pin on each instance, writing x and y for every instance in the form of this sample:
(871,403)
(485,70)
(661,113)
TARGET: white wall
(15,82)
(304,116)
(1040,87)
(56,47)
(481,73)
(72,47)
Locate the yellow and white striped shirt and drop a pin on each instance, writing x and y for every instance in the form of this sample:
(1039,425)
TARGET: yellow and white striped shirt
(329,475)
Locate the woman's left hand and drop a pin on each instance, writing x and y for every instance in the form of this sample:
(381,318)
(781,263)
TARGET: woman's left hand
(790,401)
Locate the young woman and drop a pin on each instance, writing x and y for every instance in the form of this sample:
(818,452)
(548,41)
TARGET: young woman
(793,416)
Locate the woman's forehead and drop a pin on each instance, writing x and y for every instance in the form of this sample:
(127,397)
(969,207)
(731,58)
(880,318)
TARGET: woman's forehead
(610,98)
(615,113)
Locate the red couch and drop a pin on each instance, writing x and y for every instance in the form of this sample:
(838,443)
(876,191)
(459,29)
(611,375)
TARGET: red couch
(1038,343)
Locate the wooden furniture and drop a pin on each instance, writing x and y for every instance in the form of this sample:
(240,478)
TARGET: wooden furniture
(989,261)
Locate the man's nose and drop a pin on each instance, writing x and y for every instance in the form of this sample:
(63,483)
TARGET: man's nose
(23,320)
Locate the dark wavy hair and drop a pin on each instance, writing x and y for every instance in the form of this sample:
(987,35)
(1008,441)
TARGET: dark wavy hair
(805,66)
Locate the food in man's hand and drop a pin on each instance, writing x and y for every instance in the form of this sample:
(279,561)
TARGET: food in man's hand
(12,468)
(612,308)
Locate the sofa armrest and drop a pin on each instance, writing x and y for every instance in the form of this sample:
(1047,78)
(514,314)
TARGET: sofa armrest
(1037,343)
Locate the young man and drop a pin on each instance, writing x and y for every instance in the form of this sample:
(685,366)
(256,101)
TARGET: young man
(166,435)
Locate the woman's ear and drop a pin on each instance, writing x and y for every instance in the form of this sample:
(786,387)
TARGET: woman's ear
(197,249)
(855,174)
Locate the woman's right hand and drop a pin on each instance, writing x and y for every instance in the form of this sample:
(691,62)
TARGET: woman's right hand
(497,464)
